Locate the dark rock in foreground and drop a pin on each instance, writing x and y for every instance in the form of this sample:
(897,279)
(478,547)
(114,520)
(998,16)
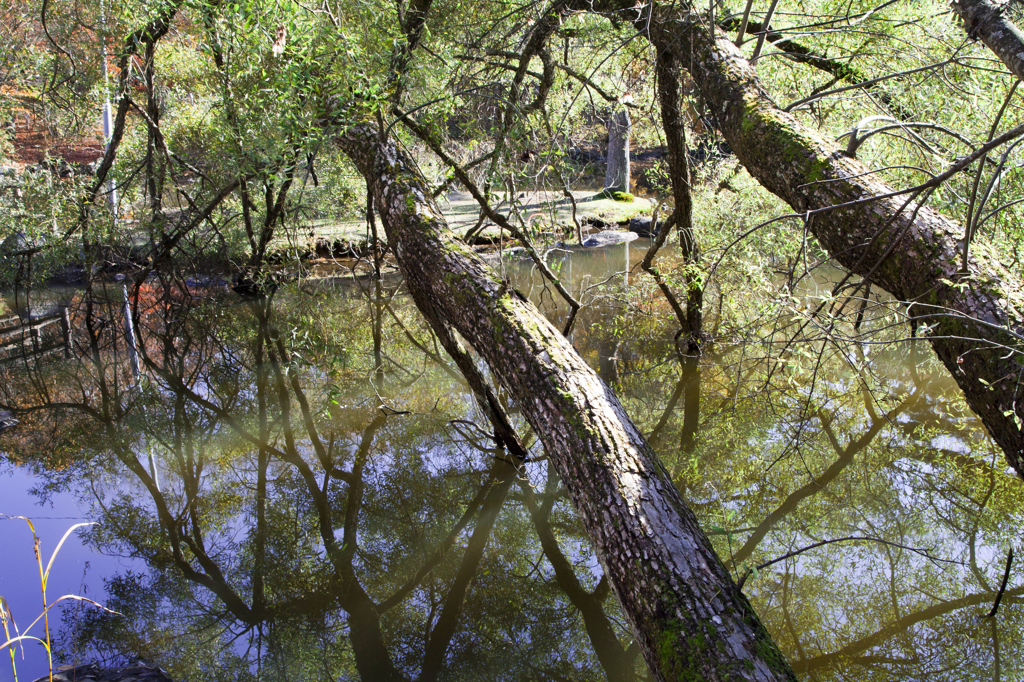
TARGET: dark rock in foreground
(91,672)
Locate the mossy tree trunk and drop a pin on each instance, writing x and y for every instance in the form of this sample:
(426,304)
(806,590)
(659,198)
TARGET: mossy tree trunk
(683,605)
(679,173)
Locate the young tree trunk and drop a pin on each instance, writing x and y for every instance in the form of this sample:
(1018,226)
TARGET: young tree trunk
(679,173)
(681,602)
(616,178)
(974,320)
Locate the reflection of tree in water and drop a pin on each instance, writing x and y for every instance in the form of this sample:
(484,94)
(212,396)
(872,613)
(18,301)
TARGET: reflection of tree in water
(857,499)
(856,534)
(313,526)
(330,502)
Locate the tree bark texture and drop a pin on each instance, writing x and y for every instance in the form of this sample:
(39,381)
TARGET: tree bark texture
(682,604)
(984,19)
(616,177)
(911,251)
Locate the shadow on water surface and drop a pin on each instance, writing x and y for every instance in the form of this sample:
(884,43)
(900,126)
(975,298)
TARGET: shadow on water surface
(327,500)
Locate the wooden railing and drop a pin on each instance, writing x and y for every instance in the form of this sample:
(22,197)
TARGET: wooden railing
(22,339)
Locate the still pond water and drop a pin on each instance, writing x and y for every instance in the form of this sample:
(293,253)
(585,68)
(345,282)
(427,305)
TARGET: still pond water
(297,476)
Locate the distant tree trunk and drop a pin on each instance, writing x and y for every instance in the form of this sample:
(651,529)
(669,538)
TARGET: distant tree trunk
(684,608)
(616,178)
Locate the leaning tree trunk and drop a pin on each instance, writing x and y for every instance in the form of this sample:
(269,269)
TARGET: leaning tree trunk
(987,20)
(975,321)
(683,606)
(616,178)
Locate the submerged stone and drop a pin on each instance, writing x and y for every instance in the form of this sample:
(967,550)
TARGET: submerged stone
(7,421)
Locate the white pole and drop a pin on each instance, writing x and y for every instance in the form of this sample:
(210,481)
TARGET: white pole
(129,332)
(136,375)
(108,120)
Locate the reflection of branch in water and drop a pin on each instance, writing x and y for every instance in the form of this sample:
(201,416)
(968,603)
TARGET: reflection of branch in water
(371,654)
(211,577)
(439,553)
(788,618)
(618,663)
(688,387)
(691,402)
(995,651)
(1002,587)
(503,474)
(973,535)
(110,416)
(851,650)
(816,485)
(432,355)
(852,538)
(232,577)
(504,432)
(655,436)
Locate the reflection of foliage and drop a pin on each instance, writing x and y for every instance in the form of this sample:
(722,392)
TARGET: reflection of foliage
(878,452)
(234,538)
(826,444)
(805,434)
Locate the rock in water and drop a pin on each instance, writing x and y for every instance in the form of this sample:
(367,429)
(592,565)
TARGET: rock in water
(642,226)
(7,420)
(608,237)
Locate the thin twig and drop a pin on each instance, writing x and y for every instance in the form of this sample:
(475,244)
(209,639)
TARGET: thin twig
(497,218)
(852,538)
(1002,588)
